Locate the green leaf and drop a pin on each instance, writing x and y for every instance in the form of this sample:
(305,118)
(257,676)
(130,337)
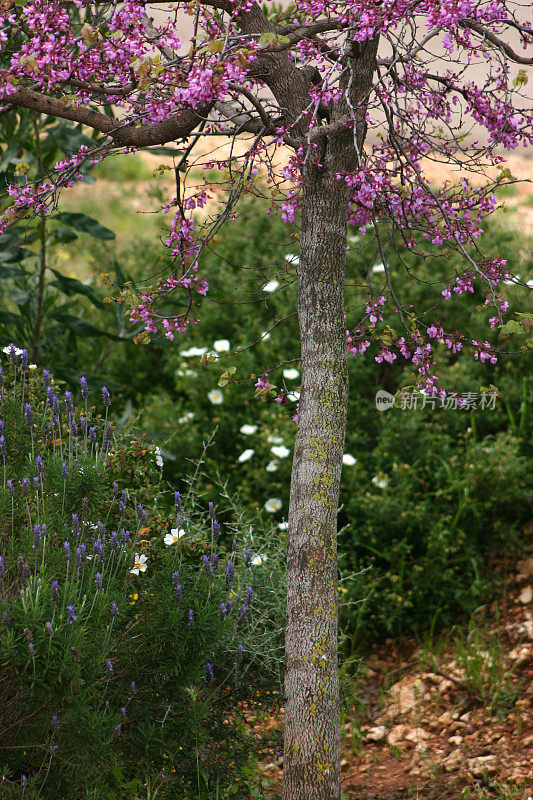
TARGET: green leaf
(215,46)
(270,38)
(11,249)
(11,272)
(226,376)
(62,235)
(7,318)
(85,224)
(163,151)
(66,137)
(71,286)
(81,327)
(511,327)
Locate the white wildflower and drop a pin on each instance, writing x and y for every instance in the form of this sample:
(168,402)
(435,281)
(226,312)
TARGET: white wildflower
(245,455)
(291,374)
(248,430)
(215,397)
(193,351)
(139,564)
(174,536)
(273,504)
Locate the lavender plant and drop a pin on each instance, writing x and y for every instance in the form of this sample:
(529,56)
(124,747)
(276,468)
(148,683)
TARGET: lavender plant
(129,638)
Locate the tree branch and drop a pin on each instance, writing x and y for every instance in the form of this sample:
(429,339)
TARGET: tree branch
(119,91)
(495,40)
(178,126)
(254,101)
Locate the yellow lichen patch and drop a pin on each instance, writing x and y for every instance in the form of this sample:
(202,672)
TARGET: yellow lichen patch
(323,768)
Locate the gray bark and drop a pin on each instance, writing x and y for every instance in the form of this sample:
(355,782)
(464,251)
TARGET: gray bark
(311,769)
(312,725)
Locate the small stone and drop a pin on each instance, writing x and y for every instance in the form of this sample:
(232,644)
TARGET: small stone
(526,595)
(377,734)
(457,726)
(482,764)
(444,684)
(398,734)
(528,741)
(521,655)
(416,735)
(446,718)
(456,740)
(405,694)
(453,761)
(525,568)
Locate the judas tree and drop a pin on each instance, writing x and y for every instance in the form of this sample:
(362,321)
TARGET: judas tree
(337,108)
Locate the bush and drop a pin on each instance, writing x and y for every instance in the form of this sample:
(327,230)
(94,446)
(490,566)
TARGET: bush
(423,542)
(130,637)
(423,529)
(176,399)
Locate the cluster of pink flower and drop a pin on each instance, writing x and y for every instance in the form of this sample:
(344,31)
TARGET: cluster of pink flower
(83,57)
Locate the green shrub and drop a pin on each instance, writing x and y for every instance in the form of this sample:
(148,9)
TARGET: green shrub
(423,528)
(421,546)
(134,646)
(420,568)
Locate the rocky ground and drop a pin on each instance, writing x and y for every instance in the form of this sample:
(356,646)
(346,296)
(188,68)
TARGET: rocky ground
(451,720)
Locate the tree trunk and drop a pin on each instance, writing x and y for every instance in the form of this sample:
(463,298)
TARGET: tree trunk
(312,712)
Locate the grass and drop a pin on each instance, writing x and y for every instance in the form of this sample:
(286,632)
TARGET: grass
(129,209)
(488,677)
(493,790)
(123,168)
